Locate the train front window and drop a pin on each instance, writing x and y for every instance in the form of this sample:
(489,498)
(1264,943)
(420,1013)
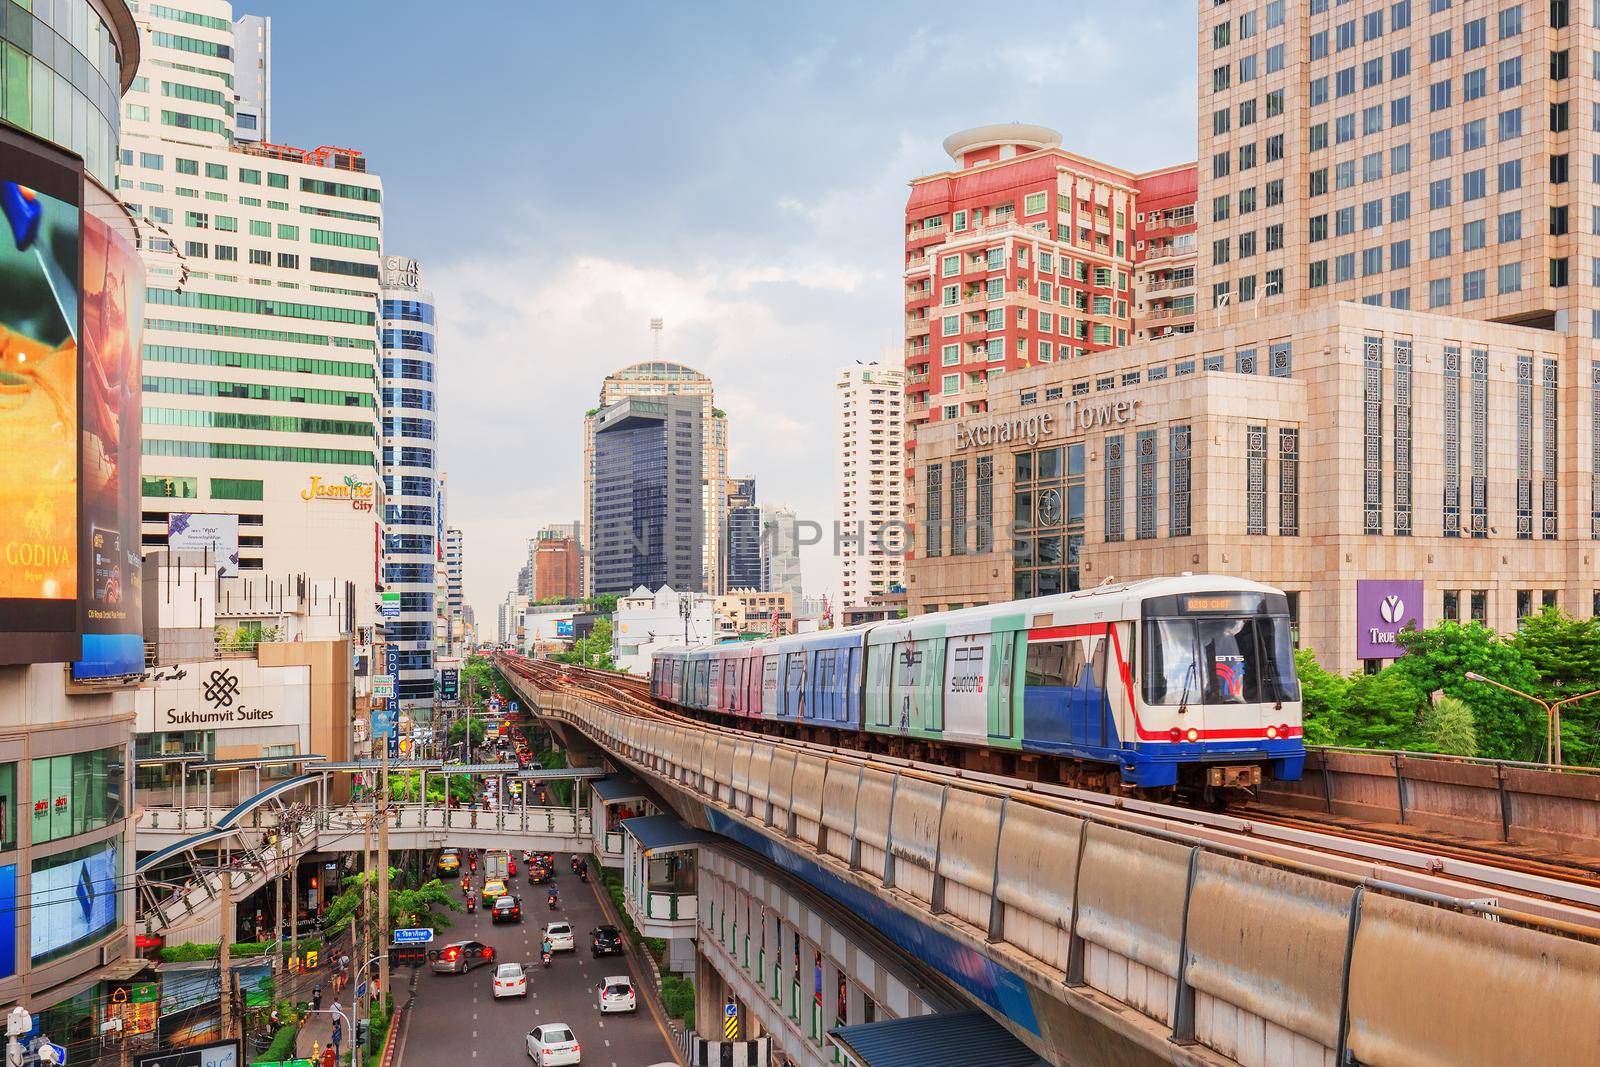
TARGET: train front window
(1245,659)
(1171,673)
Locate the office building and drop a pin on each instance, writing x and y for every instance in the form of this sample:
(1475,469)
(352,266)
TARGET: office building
(261,405)
(557,567)
(657,378)
(741,556)
(1414,154)
(1280,449)
(646,517)
(868,410)
(410,414)
(71,641)
(252,78)
(780,551)
(455,572)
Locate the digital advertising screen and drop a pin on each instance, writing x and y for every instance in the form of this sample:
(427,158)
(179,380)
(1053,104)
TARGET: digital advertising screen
(41,256)
(73,899)
(110,555)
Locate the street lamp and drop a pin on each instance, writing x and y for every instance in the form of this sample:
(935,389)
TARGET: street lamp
(1552,712)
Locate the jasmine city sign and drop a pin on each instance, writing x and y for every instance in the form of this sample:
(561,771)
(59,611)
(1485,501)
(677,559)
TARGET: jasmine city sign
(1074,416)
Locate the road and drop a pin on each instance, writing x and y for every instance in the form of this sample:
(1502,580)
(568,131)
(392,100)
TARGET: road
(456,1020)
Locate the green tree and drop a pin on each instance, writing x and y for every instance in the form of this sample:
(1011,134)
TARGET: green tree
(1324,698)
(1565,653)
(458,731)
(1446,725)
(424,905)
(591,651)
(604,604)
(1382,710)
(1439,659)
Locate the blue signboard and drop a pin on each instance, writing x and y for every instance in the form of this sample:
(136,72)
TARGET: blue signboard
(8,920)
(73,899)
(563,627)
(382,724)
(391,659)
(420,935)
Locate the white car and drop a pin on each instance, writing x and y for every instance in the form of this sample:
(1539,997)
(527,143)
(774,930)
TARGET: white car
(616,994)
(553,1044)
(510,981)
(560,937)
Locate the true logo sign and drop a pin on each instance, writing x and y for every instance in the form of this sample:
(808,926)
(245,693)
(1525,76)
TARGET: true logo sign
(1392,610)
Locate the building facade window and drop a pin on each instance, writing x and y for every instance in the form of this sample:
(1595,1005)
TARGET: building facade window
(1372,436)
(1288,482)
(958,507)
(933,505)
(1402,438)
(1548,512)
(77,793)
(983,541)
(1049,521)
(1524,448)
(1145,485)
(1114,504)
(1452,441)
(1480,443)
(1255,451)
(1179,523)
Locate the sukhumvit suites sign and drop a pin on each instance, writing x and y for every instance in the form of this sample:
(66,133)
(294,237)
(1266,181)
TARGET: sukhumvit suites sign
(222,695)
(1073,416)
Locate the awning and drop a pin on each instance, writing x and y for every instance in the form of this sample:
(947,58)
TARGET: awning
(655,832)
(617,787)
(951,1039)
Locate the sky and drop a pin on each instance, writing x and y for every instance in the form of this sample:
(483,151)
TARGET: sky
(566,172)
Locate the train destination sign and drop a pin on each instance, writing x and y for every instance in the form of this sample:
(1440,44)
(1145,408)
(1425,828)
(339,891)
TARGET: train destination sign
(1073,416)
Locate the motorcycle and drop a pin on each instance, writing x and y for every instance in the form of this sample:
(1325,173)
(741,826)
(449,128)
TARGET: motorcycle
(545,958)
(574,864)
(472,903)
(583,876)
(554,900)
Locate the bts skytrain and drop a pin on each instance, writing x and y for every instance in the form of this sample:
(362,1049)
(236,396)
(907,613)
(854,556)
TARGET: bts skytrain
(1185,681)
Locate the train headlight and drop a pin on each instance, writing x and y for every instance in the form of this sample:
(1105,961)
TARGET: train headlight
(1272,732)
(1194,735)
(1175,733)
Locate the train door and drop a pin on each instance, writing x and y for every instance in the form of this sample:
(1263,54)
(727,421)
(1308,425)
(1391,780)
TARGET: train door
(966,687)
(904,699)
(1064,701)
(1002,691)
(677,680)
(770,692)
(878,711)
(852,708)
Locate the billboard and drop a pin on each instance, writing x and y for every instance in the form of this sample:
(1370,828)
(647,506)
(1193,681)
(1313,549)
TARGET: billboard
(189,531)
(41,258)
(73,899)
(110,569)
(449,683)
(223,694)
(563,627)
(1383,609)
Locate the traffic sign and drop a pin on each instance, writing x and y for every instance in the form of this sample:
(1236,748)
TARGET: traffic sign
(731,1010)
(419,935)
(50,1052)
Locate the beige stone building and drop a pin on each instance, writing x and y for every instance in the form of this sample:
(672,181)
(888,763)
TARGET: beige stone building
(1339,453)
(868,419)
(1415,154)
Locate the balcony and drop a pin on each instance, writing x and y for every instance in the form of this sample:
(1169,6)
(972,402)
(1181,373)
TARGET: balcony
(1169,220)
(1170,284)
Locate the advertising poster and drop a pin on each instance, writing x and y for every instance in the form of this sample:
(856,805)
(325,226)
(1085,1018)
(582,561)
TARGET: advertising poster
(41,255)
(450,683)
(1384,608)
(189,531)
(8,920)
(110,568)
(73,899)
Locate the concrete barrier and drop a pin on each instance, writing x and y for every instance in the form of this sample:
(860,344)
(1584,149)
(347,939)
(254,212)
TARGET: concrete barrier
(760,776)
(780,788)
(1131,891)
(839,807)
(968,833)
(877,791)
(1037,882)
(1263,947)
(1434,987)
(806,795)
(914,836)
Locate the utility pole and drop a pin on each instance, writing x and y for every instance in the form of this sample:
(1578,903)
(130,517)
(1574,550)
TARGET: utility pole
(292,862)
(383,878)
(360,1004)
(277,895)
(224,957)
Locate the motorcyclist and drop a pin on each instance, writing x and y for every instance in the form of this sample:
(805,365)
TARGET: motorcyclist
(546,951)
(555,898)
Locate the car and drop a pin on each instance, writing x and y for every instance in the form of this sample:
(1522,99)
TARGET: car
(510,981)
(560,937)
(459,957)
(553,1044)
(616,994)
(605,941)
(493,890)
(448,865)
(506,910)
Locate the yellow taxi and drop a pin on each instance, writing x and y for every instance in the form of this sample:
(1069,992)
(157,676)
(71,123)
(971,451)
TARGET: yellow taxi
(448,864)
(493,890)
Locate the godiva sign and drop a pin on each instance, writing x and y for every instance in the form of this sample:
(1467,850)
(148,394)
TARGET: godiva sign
(1074,416)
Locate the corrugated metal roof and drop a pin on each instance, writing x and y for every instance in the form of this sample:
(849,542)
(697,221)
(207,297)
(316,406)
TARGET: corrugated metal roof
(664,831)
(617,787)
(951,1039)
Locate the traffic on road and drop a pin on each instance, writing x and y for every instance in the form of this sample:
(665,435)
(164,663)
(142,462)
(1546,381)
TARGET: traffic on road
(491,995)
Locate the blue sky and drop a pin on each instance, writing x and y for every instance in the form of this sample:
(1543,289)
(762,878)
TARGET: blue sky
(566,172)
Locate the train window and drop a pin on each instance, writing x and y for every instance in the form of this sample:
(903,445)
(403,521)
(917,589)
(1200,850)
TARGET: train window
(1057,663)
(1171,671)
(1231,661)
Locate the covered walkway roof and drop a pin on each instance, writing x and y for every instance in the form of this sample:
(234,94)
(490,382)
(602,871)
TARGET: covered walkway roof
(654,832)
(618,787)
(949,1039)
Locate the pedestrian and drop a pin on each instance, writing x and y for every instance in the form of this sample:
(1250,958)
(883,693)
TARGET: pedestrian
(316,999)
